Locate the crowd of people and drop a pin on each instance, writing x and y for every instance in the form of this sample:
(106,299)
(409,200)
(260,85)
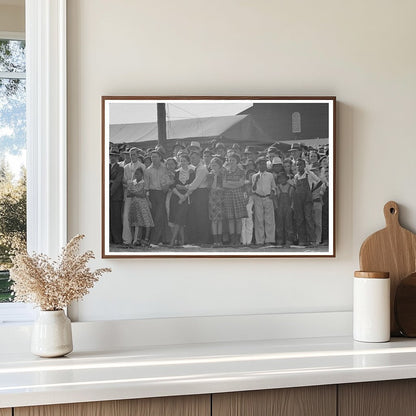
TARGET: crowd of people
(219,196)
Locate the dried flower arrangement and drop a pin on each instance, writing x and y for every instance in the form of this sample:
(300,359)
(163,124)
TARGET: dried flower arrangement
(52,285)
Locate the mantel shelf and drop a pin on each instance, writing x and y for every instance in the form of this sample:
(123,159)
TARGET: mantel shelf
(171,370)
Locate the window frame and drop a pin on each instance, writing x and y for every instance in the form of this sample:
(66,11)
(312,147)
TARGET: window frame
(46,125)
(46,121)
(12,35)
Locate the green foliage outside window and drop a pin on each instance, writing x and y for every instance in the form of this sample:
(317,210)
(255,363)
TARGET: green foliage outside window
(12,224)
(12,146)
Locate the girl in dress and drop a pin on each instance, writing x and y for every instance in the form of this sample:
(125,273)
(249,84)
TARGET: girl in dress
(234,201)
(290,171)
(248,223)
(216,201)
(139,213)
(179,204)
(171,166)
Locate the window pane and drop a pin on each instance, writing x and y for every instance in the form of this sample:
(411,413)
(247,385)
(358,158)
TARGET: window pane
(296,123)
(12,56)
(12,119)
(5,292)
(12,161)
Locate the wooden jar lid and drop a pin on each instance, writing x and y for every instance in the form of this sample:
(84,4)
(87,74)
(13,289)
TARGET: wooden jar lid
(372,275)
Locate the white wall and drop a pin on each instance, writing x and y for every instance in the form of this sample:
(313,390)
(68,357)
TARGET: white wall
(361,51)
(12,17)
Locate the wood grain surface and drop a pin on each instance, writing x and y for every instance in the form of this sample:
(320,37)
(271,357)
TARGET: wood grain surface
(405,306)
(5,412)
(392,250)
(372,275)
(300,401)
(382,398)
(163,406)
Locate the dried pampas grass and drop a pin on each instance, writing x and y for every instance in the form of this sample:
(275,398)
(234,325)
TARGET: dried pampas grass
(53,285)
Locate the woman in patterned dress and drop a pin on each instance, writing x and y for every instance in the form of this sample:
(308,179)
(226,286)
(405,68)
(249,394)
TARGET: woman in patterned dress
(216,210)
(234,199)
(139,212)
(179,204)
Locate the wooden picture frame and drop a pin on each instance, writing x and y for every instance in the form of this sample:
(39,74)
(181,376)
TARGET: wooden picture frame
(263,185)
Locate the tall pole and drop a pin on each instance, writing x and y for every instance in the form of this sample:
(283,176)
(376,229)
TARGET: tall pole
(161,124)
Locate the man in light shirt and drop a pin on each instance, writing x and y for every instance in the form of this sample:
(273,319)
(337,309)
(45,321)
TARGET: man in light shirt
(129,170)
(198,230)
(263,189)
(156,183)
(305,183)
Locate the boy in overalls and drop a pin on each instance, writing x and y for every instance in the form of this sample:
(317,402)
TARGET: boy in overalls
(302,203)
(284,213)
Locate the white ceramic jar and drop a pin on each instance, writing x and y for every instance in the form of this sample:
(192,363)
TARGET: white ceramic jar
(52,334)
(371,308)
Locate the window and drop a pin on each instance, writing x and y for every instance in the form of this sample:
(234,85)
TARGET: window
(46,135)
(296,123)
(12,155)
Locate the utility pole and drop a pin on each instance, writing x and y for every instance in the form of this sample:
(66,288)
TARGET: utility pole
(161,125)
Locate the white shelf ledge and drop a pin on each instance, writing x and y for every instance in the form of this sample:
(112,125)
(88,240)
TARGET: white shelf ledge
(169,370)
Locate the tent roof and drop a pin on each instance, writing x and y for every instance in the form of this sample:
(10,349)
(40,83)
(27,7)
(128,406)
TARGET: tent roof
(239,127)
(310,142)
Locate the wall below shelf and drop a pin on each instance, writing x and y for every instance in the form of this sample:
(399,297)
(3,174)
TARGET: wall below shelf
(188,330)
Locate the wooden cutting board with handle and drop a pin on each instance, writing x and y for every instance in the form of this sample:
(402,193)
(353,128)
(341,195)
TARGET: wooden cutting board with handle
(392,250)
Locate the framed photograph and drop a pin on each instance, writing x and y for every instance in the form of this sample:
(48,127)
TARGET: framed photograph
(218,176)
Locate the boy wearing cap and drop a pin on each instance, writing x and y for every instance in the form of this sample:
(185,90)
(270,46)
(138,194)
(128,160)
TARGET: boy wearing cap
(272,153)
(277,167)
(194,146)
(295,152)
(264,188)
(125,158)
(249,154)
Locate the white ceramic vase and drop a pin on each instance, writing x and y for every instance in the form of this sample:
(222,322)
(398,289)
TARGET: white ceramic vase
(52,334)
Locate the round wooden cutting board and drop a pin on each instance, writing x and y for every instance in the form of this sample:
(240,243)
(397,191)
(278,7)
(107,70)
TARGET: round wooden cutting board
(392,250)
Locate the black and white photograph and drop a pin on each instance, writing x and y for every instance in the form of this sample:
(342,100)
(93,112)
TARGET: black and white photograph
(218,176)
